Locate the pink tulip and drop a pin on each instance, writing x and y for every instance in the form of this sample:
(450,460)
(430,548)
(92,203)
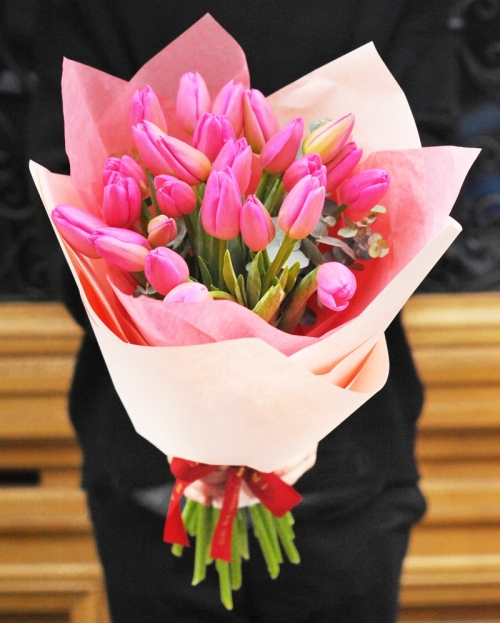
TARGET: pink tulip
(256,175)
(229,102)
(175,198)
(146,138)
(193,100)
(127,167)
(221,206)
(364,190)
(302,207)
(341,166)
(76,227)
(259,120)
(187,163)
(210,134)
(165,269)
(189,292)
(257,227)
(281,149)
(125,250)
(146,107)
(238,157)
(121,201)
(307,165)
(329,138)
(336,285)
(161,231)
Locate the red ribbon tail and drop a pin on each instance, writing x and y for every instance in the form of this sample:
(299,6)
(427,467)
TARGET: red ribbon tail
(223,533)
(276,495)
(174,530)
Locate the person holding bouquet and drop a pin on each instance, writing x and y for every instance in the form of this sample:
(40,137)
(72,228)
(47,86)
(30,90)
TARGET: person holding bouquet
(360,490)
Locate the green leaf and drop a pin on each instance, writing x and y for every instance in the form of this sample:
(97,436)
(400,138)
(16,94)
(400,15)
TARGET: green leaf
(297,300)
(231,281)
(206,277)
(292,277)
(283,277)
(268,306)
(254,281)
(241,292)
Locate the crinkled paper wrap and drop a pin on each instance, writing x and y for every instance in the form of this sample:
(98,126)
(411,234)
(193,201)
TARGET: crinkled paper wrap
(212,382)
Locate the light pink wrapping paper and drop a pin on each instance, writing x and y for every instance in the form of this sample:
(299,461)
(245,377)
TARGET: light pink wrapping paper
(221,386)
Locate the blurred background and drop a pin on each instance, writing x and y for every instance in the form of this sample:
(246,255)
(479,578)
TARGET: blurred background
(48,565)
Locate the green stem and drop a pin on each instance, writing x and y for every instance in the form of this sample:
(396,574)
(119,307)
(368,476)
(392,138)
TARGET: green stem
(202,544)
(283,254)
(152,192)
(226,595)
(222,252)
(286,536)
(339,211)
(264,542)
(190,231)
(261,188)
(274,196)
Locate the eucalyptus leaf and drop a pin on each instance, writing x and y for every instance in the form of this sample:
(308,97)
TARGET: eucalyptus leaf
(311,251)
(348,232)
(378,209)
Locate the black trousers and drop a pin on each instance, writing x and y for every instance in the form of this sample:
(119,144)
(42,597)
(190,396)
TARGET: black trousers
(349,573)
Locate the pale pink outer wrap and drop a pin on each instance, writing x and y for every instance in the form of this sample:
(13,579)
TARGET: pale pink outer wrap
(221,386)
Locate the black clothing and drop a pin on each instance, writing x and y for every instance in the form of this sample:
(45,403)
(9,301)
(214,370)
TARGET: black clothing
(372,452)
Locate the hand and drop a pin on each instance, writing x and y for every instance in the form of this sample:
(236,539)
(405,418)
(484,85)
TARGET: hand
(210,490)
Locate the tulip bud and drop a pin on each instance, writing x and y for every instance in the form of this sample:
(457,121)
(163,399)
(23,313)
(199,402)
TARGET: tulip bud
(229,102)
(175,198)
(187,163)
(193,100)
(281,149)
(364,190)
(121,201)
(238,157)
(221,206)
(161,231)
(259,120)
(146,140)
(210,134)
(125,250)
(336,285)
(165,269)
(307,165)
(257,227)
(341,166)
(76,227)
(146,107)
(189,292)
(127,167)
(328,139)
(300,212)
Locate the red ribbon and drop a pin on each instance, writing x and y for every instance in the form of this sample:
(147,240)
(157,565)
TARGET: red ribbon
(275,494)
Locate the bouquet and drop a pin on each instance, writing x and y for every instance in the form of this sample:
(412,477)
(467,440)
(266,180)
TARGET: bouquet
(240,258)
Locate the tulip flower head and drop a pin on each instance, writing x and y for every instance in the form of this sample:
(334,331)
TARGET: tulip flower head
(76,226)
(175,198)
(302,207)
(336,285)
(329,138)
(281,149)
(259,120)
(187,163)
(342,165)
(309,164)
(189,292)
(127,167)
(161,231)
(221,206)
(229,102)
(257,227)
(121,201)
(193,100)
(165,269)
(146,136)
(364,190)
(125,250)
(146,107)
(210,134)
(237,155)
